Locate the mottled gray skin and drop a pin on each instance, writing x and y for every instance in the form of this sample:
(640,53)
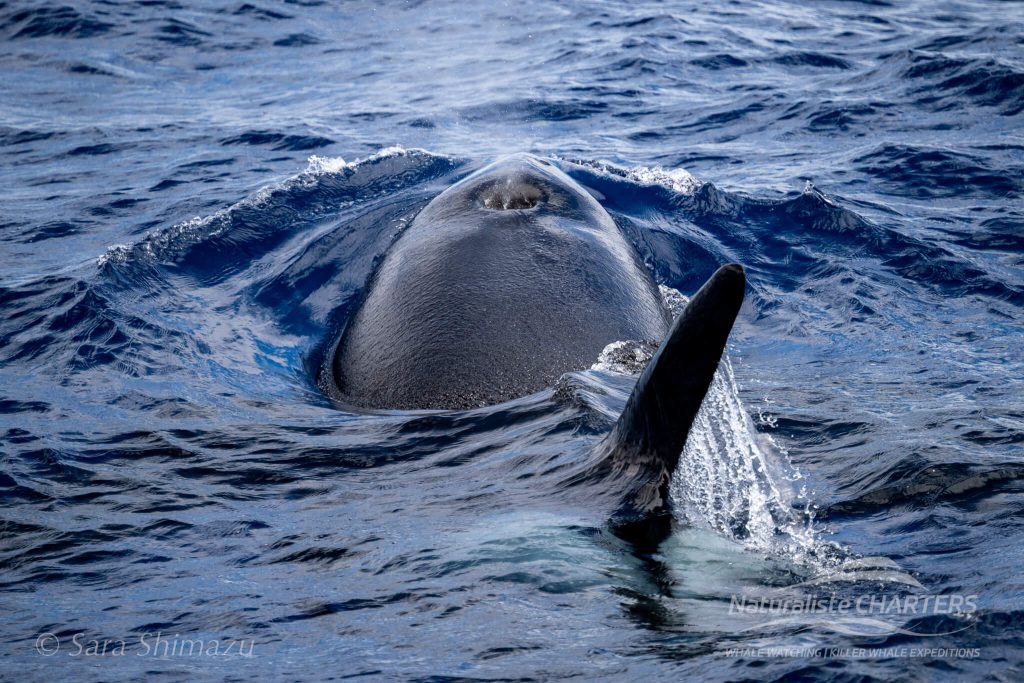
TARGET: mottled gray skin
(504,282)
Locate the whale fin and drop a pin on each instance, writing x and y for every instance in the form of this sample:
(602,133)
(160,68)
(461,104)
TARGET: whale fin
(645,445)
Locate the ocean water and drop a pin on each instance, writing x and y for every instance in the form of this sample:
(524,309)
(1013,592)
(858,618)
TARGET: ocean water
(196,196)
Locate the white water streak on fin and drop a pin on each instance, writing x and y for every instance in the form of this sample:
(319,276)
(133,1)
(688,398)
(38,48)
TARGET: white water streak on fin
(740,484)
(730,479)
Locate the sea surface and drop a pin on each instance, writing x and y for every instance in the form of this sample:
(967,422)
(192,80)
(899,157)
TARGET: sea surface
(195,196)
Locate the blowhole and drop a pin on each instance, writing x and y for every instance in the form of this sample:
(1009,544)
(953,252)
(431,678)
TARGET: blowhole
(507,196)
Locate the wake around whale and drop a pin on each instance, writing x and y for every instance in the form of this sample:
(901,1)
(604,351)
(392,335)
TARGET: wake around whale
(509,279)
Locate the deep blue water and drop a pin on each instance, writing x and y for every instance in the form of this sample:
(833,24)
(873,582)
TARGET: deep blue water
(196,196)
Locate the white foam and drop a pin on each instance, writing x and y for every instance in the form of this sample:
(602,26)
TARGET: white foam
(153,244)
(674,299)
(676,179)
(321,165)
(625,357)
(318,165)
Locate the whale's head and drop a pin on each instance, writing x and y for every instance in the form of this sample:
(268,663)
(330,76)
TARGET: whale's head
(506,280)
(518,188)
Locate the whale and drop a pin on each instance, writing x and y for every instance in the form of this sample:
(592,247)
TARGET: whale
(512,277)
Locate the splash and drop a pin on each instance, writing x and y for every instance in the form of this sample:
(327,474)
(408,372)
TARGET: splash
(731,479)
(738,483)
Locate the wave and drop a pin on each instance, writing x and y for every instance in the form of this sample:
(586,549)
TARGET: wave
(933,485)
(924,172)
(327,186)
(63,21)
(986,82)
